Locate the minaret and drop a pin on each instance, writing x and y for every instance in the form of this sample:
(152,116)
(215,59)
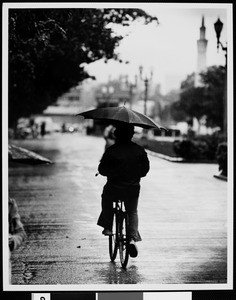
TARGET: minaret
(201,47)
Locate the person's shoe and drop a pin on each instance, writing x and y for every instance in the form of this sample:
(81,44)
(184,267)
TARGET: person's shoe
(107,232)
(133,250)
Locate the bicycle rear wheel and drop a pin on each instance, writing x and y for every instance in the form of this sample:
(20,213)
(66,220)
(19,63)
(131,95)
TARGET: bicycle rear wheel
(113,245)
(123,240)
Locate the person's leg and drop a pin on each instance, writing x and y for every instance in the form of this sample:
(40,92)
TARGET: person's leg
(106,217)
(131,207)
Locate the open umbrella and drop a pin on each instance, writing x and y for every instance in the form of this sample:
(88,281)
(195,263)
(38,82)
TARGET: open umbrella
(22,155)
(121,114)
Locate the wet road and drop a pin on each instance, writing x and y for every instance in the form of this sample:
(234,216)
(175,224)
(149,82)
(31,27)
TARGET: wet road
(182,215)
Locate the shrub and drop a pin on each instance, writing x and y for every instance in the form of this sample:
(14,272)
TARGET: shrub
(189,149)
(221,156)
(199,148)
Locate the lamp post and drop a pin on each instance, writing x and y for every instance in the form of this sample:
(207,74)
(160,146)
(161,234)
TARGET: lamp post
(146,81)
(218,28)
(131,86)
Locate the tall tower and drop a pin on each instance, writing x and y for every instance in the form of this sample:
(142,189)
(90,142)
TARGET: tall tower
(201,49)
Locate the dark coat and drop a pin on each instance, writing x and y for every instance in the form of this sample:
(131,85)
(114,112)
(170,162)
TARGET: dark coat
(124,164)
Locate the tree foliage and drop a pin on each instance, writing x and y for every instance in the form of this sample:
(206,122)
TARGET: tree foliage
(202,101)
(214,82)
(48,47)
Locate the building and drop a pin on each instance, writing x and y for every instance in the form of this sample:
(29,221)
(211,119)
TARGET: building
(63,112)
(115,93)
(201,53)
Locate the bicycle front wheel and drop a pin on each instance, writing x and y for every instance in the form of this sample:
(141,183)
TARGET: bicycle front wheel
(113,245)
(123,240)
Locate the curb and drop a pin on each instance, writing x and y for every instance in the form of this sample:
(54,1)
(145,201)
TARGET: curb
(166,157)
(178,159)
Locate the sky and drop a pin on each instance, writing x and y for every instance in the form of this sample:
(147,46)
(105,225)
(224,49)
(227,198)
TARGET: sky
(170,48)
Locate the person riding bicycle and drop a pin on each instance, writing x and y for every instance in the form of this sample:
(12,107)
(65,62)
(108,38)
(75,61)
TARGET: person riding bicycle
(123,163)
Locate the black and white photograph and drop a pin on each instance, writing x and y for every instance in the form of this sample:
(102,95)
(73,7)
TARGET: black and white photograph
(117,144)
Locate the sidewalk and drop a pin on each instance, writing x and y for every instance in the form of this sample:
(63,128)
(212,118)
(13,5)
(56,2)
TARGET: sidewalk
(182,221)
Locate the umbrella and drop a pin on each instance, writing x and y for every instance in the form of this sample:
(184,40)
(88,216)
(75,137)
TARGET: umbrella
(121,114)
(22,155)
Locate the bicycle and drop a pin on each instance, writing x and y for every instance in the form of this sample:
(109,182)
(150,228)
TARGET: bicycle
(119,238)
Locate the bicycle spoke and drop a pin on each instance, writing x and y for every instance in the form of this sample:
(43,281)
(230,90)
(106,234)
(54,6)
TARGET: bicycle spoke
(113,246)
(119,238)
(123,249)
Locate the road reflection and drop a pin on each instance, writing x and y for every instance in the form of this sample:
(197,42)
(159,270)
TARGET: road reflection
(114,274)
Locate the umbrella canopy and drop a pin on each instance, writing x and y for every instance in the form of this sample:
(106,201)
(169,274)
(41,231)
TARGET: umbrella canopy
(121,114)
(22,155)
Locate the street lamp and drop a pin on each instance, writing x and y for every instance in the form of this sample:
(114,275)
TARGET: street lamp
(146,81)
(218,28)
(131,86)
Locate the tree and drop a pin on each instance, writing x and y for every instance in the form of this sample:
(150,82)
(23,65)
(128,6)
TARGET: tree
(168,114)
(213,80)
(190,104)
(202,101)
(48,47)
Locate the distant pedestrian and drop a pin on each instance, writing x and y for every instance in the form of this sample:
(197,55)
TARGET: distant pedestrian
(109,136)
(31,124)
(123,163)
(63,128)
(43,129)
(34,128)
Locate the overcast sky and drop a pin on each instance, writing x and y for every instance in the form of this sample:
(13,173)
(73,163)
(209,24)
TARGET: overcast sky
(170,48)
